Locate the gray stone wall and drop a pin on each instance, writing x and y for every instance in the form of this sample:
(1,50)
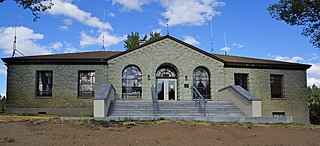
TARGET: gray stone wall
(294,101)
(150,57)
(21,86)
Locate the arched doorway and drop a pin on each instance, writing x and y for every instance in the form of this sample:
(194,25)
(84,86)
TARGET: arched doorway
(166,84)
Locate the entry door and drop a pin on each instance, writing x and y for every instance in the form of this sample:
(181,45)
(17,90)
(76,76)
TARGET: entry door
(167,89)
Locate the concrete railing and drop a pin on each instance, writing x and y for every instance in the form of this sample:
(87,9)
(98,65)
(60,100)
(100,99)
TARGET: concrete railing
(248,103)
(102,100)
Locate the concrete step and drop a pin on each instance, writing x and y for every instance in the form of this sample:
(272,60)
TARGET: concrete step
(182,115)
(172,108)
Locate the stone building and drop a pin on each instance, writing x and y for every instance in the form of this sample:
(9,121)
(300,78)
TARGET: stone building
(67,83)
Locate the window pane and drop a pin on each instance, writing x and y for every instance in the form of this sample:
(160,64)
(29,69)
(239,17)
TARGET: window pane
(241,80)
(86,83)
(44,83)
(166,72)
(278,114)
(276,86)
(201,80)
(131,82)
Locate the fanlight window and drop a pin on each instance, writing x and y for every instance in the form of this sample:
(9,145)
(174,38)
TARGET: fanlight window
(201,80)
(131,82)
(166,72)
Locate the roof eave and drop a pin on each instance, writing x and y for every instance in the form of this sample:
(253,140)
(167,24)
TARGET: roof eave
(267,66)
(54,61)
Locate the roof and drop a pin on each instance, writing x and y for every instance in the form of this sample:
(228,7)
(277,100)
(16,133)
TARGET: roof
(245,62)
(101,57)
(82,57)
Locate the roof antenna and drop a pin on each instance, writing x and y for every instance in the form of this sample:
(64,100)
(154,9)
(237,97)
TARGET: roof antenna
(14,47)
(211,40)
(225,43)
(104,19)
(167,24)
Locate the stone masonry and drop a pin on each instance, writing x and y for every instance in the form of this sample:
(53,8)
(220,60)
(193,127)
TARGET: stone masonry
(21,81)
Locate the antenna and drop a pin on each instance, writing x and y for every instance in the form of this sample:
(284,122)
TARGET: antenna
(211,40)
(225,42)
(14,47)
(104,19)
(167,26)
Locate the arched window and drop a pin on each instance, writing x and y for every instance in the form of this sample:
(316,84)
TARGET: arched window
(201,80)
(166,72)
(131,82)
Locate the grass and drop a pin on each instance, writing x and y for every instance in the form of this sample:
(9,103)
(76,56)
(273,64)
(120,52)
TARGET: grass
(128,122)
(27,117)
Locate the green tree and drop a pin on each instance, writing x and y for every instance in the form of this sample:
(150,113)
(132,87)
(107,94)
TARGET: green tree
(154,35)
(314,104)
(135,39)
(300,13)
(2,102)
(35,6)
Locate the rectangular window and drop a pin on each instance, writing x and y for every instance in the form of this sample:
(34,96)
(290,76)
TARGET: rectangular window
(276,86)
(278,114)
(241,80)
(44,83)
(86,83)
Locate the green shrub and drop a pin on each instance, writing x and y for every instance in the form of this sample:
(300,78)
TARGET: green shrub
(2,103)
(314,104)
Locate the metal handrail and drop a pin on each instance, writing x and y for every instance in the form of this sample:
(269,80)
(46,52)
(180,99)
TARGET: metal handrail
(155,104)
(198,98)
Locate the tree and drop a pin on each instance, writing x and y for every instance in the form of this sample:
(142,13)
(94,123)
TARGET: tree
(154,35)
(135,40)
(300,13)
(35,6)
(314,104)
(2,102)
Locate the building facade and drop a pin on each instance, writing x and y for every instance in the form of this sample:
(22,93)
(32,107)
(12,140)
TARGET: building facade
(66,83)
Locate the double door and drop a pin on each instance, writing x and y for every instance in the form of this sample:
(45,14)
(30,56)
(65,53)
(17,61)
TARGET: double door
(166,89)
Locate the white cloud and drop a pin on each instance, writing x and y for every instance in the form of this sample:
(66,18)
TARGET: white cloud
(190,40)
(66,24)
(314,70)
(112,15)
(225,49)
(313,81)
(26,41)
(70,10)
(3,70)
(189,12)
(56,46)
(238,45)
(314,75)
(109,39)
(288,59)
(131,4)
(158,30)
(179,12)
(70,50)
(67,21)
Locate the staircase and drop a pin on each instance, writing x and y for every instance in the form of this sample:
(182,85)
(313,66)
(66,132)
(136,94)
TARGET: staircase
(143,108)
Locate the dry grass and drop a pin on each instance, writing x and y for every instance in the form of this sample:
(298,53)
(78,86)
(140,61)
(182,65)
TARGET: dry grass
(55,119)
(20,118)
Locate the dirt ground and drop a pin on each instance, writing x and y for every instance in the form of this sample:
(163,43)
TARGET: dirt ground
(55,132)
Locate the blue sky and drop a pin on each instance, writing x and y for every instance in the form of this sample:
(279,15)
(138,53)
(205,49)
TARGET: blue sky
(78,26)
